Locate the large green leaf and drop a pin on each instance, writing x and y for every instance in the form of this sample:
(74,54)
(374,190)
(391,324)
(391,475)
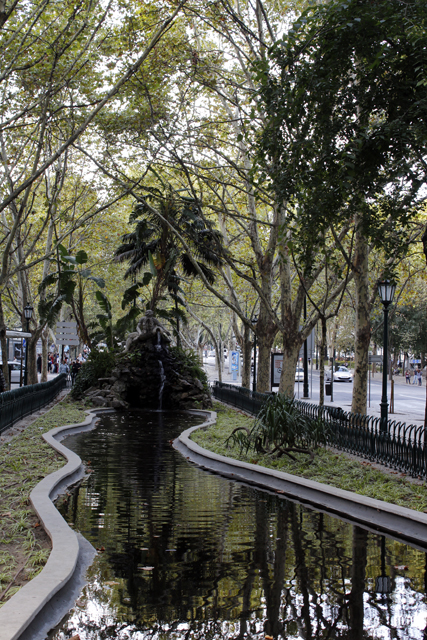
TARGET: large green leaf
(81,257)
(103,302)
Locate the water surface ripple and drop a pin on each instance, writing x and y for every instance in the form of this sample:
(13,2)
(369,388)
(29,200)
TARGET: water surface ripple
(187,554)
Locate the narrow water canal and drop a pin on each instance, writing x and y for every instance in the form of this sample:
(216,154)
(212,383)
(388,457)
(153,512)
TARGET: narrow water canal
(187,554)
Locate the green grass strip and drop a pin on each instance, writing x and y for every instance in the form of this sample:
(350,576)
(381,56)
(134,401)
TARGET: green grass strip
(24,461)
(334,469)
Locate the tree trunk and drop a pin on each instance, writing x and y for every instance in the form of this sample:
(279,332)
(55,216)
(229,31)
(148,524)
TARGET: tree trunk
(291,347)
(3,342)
(266,332)
(363,326)
(246,346)
(322,362)
(32,360)
(45,350)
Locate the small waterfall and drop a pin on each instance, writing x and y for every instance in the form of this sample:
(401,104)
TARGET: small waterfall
(162,384)
(158,346)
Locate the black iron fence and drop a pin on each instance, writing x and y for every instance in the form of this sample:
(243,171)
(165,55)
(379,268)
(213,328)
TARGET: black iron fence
(402,447)
(245,399)
(19,403)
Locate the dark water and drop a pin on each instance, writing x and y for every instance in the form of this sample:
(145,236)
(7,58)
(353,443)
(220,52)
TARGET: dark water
(186,554)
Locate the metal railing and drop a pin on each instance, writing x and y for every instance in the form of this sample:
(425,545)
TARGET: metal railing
(402,447)
(245,399)
(19,403)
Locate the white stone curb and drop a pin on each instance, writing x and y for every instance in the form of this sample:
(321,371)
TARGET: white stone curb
(18,612)
(376,515)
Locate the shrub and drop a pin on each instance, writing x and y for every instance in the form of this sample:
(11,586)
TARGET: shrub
(99,365)
(280,428)
(190,365)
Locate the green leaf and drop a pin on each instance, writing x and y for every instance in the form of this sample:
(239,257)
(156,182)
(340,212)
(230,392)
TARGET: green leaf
(147,278)
(152,265)
(81,257)
(99,281)
(103,302)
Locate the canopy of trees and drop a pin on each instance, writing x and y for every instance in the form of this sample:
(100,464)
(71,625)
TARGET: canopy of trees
(217,162)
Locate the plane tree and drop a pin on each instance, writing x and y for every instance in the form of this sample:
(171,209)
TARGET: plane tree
(53,86)
(344,93)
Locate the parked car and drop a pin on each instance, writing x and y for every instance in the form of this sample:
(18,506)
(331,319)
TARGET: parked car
(342,374)
(15,370)
(299,374)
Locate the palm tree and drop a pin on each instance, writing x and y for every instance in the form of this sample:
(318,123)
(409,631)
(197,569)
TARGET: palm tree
(153,243)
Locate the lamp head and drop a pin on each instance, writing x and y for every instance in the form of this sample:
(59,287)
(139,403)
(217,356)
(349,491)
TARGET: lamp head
(386,291)
(28,311)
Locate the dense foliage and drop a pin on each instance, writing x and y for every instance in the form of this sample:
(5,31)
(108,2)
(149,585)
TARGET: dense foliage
(99,365)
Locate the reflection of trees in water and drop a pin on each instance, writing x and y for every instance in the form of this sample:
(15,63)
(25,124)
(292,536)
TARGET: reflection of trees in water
(228,561)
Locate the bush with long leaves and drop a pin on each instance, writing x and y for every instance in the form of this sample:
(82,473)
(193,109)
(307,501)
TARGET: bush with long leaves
(280,428)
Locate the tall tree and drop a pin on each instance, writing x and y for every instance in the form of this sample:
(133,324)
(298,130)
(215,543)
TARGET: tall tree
(345,96)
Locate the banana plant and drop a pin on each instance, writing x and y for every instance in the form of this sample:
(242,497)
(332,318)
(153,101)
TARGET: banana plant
(70,280)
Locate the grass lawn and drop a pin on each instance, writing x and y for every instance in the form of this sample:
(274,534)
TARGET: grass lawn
(24,461)
(335,469)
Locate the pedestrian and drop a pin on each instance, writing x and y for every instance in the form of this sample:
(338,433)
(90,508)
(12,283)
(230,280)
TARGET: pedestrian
(414,381)
(63,367)
(408,376)
(420,380)
(75,370)
(39,363)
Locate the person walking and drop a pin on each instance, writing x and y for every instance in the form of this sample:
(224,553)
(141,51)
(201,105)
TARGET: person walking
(75,368)
(408,376)
(39,363)
(420,379)
(414,381)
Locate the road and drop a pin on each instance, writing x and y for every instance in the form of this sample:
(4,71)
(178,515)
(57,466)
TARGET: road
(409,400)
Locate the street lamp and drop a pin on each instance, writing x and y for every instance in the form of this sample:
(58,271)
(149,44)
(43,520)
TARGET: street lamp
(28,312)
(386,291)
(254,320)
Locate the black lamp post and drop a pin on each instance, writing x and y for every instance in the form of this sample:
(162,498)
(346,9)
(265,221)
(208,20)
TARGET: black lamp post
(28,312)
(254,320)
(386,291)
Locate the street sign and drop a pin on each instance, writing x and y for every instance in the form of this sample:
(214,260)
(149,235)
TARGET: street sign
(375,359)
(66,334)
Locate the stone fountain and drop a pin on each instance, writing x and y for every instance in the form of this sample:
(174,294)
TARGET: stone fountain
(150,375)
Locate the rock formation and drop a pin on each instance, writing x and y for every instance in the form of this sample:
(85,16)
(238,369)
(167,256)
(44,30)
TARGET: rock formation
(150,375)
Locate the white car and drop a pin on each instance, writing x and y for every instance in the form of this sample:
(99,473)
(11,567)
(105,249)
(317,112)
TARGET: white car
(299,374)
(342,374)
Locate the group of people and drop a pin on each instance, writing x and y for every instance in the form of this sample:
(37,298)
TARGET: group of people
(417,377)
(55,365)
(70,369)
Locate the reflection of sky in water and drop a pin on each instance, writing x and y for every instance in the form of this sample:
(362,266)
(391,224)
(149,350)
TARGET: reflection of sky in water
(191,555)
(405,613)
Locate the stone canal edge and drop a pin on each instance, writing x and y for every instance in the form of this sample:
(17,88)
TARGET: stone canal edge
(400,523)
(43,602)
